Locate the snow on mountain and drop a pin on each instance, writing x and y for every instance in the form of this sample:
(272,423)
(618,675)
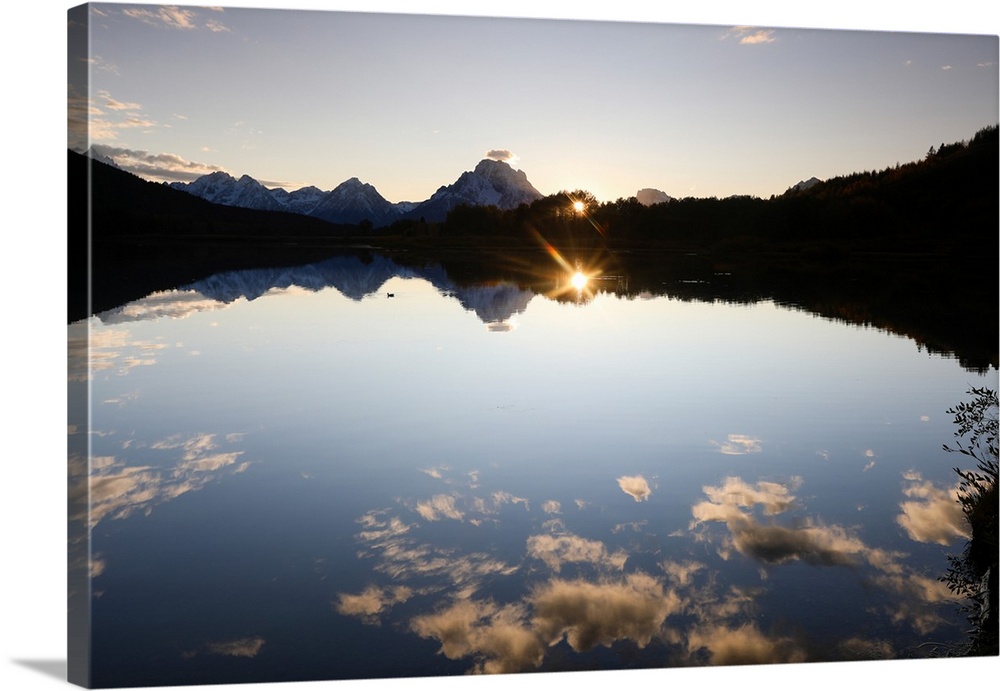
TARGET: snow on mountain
(804,184)
(492,183)
(223,188)
(494,304)
(353,201)
(96,152)
(649,196)
(301,201)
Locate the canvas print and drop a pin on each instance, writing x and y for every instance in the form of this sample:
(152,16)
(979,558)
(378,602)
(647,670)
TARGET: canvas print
(412,346)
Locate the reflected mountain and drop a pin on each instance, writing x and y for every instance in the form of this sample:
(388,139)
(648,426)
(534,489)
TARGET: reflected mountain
(916,299)
(353,277)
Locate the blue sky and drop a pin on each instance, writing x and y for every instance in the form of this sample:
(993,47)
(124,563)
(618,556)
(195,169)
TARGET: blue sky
(407,103)
(34,298)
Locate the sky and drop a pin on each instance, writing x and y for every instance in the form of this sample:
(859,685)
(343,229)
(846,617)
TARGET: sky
(33,640)
(409,102)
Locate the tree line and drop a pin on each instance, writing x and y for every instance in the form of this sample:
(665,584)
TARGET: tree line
(946,201)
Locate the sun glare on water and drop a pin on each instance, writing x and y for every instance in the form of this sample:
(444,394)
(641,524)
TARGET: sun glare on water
(578,280)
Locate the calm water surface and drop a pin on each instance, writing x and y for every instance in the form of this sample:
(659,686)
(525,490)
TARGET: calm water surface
(358,470)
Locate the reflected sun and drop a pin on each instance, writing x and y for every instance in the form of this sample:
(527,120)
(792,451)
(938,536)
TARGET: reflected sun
(578,280)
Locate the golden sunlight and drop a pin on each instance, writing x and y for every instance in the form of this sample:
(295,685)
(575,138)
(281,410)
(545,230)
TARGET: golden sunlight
(578,280)
(578,207)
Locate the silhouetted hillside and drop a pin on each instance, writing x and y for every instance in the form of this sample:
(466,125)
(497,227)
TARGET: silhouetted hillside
(145,236)
(126,206)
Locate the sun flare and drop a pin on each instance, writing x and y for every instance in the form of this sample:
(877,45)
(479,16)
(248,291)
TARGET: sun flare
(578,280)
(578,207)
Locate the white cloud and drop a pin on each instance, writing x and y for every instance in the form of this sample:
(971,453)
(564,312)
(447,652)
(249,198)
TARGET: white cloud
(159,167)
(165,16)
(500,155)
(749,35)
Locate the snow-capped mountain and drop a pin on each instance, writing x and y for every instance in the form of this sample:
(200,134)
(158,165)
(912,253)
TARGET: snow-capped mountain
(492,183)
(804,184)
(353,201)
(223,188)
(649,196)
(95,152)
(301,201)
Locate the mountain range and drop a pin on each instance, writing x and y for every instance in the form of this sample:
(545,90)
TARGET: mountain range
(353,202)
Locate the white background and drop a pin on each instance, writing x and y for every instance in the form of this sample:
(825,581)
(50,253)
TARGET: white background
(33,611)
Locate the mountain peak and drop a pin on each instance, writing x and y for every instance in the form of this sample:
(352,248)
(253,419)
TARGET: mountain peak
(490,183)
(805,184)
(488,164)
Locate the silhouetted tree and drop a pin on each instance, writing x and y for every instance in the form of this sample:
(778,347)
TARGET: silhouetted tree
(973,573)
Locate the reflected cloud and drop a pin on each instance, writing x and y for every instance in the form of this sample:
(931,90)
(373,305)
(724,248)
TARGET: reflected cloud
(739,445)
(773,497)
(514,637)
(733,502)
(589,614)
(371,602)
(932,514)
(599,604)
(439,506)
(863,649)
(497,637)
(241,647)
(681,573)
(112,489)
(90,351)
(556,550)
(816,544)
(475,509)
(744,645)
(398,553)
(635,486)
(167,304)
(916,596)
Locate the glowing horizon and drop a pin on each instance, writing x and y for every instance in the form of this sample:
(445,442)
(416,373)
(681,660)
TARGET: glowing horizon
(294,98)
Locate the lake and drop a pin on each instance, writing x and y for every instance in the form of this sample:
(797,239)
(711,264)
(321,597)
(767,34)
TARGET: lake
(356,469)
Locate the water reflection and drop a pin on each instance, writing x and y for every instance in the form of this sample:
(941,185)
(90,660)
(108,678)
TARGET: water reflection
(931,513)
(286,462)
(684,609)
